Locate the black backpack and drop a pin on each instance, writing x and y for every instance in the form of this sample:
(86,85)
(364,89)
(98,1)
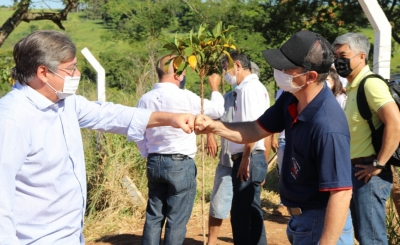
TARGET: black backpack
(365,112)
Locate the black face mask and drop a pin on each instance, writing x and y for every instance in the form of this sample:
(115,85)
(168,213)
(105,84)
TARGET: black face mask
(343,67)
(182,83)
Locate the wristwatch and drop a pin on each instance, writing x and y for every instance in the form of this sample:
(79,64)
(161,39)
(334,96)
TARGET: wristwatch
(376,164)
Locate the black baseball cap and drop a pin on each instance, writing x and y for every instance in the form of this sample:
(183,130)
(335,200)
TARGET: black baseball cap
(295,50)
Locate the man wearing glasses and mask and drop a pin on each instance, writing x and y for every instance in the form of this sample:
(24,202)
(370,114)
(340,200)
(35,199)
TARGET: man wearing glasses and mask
(42,167)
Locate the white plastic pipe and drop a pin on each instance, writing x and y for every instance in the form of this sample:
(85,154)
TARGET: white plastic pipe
(101,74)
(383,36)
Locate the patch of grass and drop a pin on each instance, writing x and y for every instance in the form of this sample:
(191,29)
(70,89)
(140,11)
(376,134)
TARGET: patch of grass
(84,32)
(392,223)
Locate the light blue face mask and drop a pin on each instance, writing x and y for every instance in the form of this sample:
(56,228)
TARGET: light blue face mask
(230,79)
(182,83)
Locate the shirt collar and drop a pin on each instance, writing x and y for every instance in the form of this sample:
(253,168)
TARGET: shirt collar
(359,77)
(165,85)
(312,108)
(247,79)
(40,101)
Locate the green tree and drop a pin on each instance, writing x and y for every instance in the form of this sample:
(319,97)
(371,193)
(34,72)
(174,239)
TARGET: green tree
(202,52)
(134,20)
(24,13)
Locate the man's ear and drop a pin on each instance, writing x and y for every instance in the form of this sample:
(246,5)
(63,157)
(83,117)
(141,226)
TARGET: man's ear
(42,73)
(363,56)
(238,64)
(312,77)
(176,76)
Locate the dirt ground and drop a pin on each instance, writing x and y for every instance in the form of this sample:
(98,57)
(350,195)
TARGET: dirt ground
(275,221)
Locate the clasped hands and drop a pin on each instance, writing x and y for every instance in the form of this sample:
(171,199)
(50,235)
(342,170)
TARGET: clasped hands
(201,124)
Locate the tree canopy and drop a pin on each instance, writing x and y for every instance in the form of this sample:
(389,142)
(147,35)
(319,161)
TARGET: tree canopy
(261,24)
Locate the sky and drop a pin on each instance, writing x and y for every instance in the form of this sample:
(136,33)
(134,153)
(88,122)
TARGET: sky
(37,3)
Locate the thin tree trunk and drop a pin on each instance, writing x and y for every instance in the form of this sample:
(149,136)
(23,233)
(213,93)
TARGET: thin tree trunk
(202,75)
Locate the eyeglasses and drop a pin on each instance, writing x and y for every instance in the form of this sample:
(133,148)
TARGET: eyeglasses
(70,70)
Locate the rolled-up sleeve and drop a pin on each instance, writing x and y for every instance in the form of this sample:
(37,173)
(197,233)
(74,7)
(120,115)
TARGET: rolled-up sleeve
(138,125)
(214,107)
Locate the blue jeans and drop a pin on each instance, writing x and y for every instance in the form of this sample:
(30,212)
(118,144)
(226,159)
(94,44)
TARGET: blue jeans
(368,207)
(306,229)
(172,189)
(246,213)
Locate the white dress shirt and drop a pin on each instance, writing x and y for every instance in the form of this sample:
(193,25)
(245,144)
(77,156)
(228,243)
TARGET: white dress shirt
(252,101)
(341,98)
(42,168)
(167,96)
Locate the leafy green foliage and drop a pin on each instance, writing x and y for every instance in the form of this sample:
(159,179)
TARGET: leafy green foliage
(202,50)
(135,20)
(6,81)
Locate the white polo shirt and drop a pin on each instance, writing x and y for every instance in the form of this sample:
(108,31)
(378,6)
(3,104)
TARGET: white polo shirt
(252,101)
(169,97)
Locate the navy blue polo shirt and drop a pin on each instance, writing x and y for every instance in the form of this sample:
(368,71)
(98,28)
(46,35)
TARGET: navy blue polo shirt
(317,152)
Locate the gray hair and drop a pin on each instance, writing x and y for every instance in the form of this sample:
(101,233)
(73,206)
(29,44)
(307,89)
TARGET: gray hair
(41,48)
(255,69)
(241,57)
(356,41)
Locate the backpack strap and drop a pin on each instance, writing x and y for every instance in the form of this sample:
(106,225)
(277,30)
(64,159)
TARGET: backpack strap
(362,102)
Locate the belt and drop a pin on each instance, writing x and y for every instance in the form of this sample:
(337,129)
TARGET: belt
(297,211)
(236,156)
(176,157)
(362,160)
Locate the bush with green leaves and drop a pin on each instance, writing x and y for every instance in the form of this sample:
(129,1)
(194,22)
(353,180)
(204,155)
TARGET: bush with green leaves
(6,82)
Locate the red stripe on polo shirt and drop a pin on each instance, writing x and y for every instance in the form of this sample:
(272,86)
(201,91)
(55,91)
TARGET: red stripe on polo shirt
(293,112)
(263,127)
(337,189)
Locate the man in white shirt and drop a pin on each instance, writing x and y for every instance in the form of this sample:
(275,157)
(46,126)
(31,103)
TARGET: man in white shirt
(249,163)
(171,170)
(42,165)
(221,196)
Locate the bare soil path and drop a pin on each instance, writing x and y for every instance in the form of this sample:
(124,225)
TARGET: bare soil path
(275,221)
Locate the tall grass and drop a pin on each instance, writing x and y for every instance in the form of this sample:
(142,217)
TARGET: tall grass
(110,157)
(392,223)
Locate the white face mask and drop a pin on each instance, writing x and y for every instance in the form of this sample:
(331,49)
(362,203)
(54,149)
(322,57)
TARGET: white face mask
(284,81)
(231,80)
(70,86)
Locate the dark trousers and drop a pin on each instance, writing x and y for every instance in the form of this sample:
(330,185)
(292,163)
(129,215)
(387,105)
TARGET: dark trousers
(246,213)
